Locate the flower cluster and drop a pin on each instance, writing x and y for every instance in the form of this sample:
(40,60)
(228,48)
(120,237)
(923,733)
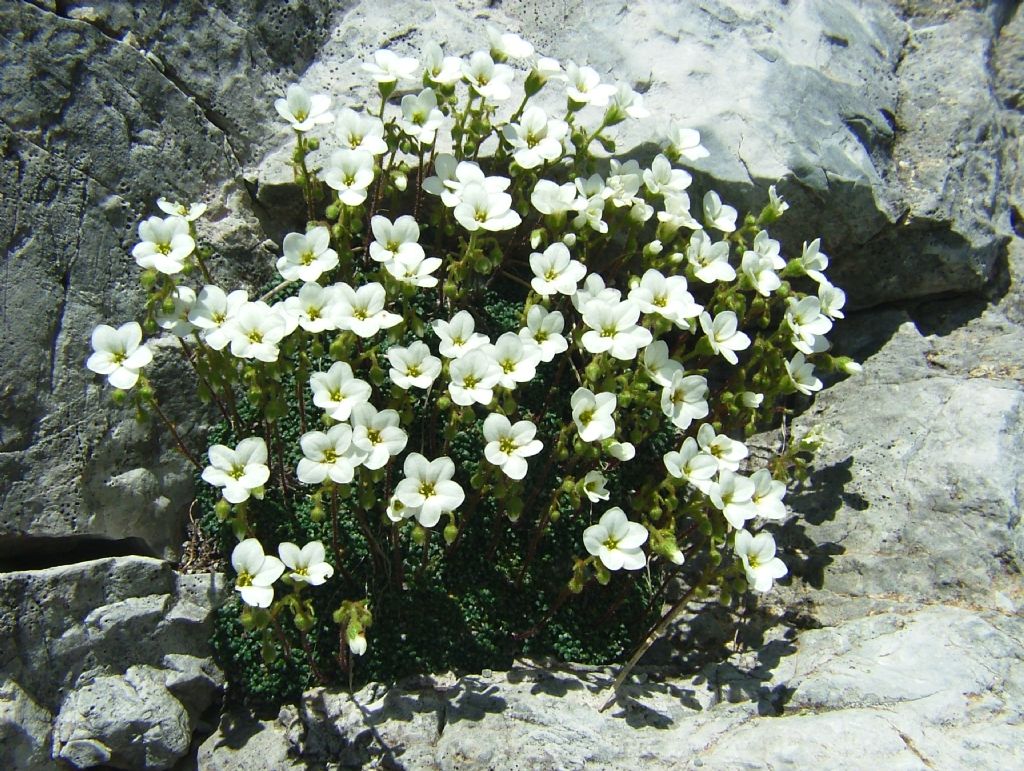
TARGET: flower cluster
(649,314)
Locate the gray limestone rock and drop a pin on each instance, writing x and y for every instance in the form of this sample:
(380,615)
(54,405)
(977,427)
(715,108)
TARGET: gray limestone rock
(128,721)
(117,649)
(938,687)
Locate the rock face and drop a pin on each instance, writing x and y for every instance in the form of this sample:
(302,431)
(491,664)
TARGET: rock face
(893,128)
(939,687)
(114,654)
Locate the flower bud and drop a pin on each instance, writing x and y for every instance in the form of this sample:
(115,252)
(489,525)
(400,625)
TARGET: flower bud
(653,249)
(317,513)
(537,237)
(569,239)
(118,396)
(148,278)
(332,212)
(303,622)
(751,400)
(145,392)
(419,535)
(222,509)
(451,532)
(312,143)
(401,182)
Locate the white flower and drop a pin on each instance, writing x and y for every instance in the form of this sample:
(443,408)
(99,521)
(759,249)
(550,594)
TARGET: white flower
(585,86)
(710,260)
(398,511)
(414,271)
(311,308)
(594,486)
(302,110)
(445,169)
(769,247)
(337,391)
(775,202)
(428,488)
(727,452)
(684,142)
(517,360)
(549,198)
(376,434)
(119,354)
(732,494)
(212,310)
(360,132)
(594,289)
(768,495)
(508,44)
(801,374)
(362,310)
(388,67)
(457,336)
(723,335)
(257,573)
(759,269)
(613,328)
(489,80)
(759,561)
(684,399)
(832,300)
(625,101)
(239,471)
(176,321)
(329,454)
(658,365)
(751,400)
(413,367)
(544,328)
(165,244)
(508,446)
(189,212)
(717,215)
(480,208)
(668,297)
(622,451)
(662,179)
(308,565)
(392,239)
(420,117)
(473,378)
(813,261)
(808,323)
(623,183)
(593,414)
(307,256)
(555,272)
(535,139)
(677,213)
(616,541)
(440,69)
(454,180)
(546,69)
(349,172)
(357,643)
(255,331)
(692,465)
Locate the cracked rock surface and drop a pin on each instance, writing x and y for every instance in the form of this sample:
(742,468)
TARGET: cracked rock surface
(893,128)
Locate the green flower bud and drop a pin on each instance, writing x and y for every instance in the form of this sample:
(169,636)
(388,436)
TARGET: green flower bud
(148,278)
(118,397)
(222,509)
(145,392)
(419,535)
(312,143)
(304,622)
(167,306)
(332,212)
(450,533)
(317,513)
